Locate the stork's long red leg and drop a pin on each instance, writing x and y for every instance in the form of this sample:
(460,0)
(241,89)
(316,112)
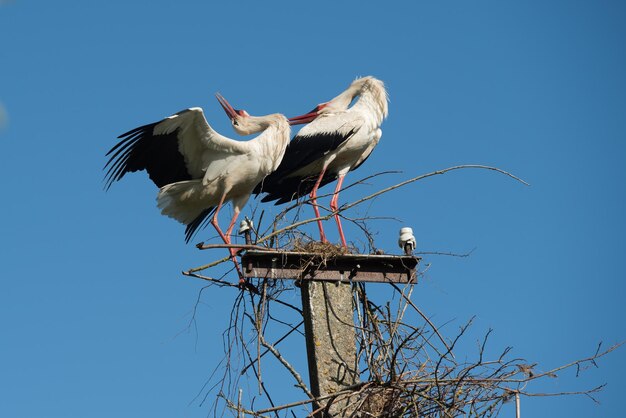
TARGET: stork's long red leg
(313,197)
(216,225)
(226,237)
(233,251)
(232,224)
(334,207)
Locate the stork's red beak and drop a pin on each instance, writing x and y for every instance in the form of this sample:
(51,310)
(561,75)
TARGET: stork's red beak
(307,117)
(232,113)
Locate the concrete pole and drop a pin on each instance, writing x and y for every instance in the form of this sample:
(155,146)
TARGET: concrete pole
(330,340)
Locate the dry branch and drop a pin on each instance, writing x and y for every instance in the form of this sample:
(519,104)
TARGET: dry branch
(407,365)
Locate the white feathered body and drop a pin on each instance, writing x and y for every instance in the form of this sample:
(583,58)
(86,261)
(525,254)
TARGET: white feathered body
(365,123)
(227,170)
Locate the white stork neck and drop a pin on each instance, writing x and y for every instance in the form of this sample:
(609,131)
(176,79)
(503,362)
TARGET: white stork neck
(373,97)
(273,141)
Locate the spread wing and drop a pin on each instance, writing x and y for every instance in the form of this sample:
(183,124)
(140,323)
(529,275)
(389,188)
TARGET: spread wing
(179,147)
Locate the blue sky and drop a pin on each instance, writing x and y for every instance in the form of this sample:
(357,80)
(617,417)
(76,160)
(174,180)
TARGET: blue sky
(94,312)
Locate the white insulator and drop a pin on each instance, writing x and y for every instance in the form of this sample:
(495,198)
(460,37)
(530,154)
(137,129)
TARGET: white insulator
(406,237)
(245,225)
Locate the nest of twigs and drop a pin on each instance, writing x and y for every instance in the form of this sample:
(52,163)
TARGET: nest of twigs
(323,249)
(321,253)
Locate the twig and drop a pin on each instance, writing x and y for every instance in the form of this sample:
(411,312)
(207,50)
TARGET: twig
(434,173)
(210,279)
(206,266)
(576,362)
(245,368)
(286,364)
(450,254)
(203,246)
(347,390)
(419,311)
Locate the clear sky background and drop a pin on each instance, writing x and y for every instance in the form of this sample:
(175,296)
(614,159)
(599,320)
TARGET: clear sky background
(94,312)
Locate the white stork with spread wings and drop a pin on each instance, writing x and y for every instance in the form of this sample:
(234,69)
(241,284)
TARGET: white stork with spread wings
(197,169)
(338,139)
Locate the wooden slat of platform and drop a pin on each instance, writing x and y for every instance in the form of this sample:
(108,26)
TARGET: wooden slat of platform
(345,268)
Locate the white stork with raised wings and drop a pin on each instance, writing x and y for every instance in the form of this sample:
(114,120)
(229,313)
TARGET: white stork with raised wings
(197,169)
(338,139)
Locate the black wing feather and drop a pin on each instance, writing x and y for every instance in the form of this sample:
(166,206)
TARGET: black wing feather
(301,151)
(200,222)
(140,149)
(295,187)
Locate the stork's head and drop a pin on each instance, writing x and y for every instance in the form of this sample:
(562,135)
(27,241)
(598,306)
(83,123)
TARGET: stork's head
(338,104)
(242,122)
(342,102)
(245,124)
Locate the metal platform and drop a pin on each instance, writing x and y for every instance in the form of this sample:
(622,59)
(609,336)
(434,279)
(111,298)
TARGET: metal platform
(342,268)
